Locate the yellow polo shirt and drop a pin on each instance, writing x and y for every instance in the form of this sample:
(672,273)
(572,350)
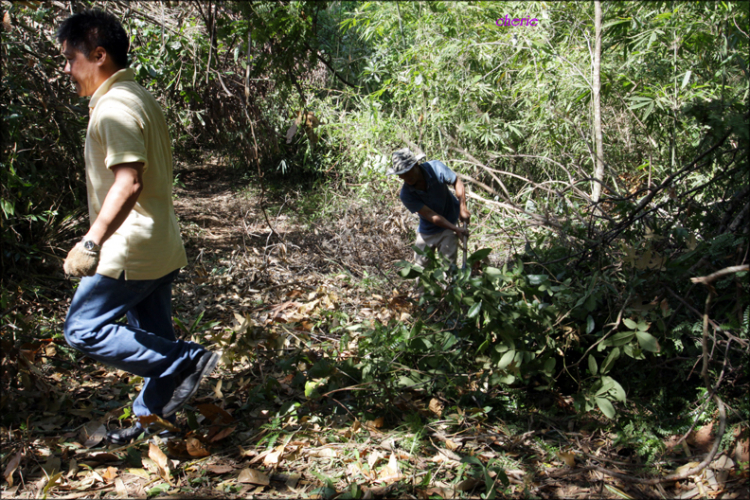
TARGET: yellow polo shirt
(126,125)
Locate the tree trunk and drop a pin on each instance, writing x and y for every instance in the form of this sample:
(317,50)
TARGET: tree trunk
(211,29)
(596,91)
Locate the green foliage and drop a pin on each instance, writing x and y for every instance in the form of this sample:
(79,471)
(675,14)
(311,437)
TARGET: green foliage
(43,122)
(551,327)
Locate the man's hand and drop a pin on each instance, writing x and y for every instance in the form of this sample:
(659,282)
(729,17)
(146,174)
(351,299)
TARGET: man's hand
(81,262)
(431,216)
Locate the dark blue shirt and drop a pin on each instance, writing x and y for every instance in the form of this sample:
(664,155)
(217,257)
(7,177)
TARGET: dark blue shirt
(436,196)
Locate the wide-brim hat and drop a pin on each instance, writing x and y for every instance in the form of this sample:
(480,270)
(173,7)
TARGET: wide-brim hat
(403,161)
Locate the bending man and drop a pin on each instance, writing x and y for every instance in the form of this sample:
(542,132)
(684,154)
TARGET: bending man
(425,192)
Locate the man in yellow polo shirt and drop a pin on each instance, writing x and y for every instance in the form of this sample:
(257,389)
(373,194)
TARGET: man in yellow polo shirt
(133,250)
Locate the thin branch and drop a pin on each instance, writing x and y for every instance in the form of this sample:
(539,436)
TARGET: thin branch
(707,280)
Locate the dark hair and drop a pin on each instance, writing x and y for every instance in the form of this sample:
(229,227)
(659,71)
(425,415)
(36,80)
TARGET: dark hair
(94,28)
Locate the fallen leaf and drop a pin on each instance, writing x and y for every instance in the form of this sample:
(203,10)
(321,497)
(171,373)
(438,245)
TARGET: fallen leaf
(110,474)
(104,457)
(451,445)
(161,461)
(321,452)
(253,476)
(684,468)
(72,468)
(93,433)
(568,457)
(139,472)
(221,421)
(95,476)
(448,454)
(11,467)
(375,424)
(219,469)
(373,458)
(274,457)
(120,488)
(390,472)
(158,422)
(722,463)
(246,453)
(436,407)
(195,448)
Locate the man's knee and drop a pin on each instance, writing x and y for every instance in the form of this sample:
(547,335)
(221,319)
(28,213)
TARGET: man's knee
(76,336)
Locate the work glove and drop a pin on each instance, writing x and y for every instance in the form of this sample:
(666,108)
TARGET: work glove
(81,262)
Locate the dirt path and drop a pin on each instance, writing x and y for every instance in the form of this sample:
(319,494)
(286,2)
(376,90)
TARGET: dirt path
(235,261)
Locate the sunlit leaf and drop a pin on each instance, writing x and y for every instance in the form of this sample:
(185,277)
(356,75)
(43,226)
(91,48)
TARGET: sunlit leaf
(478,255)
(161,461)
(593,368)
(590,325)
(606,407)
(647,341)
(474,310)
(507,359)
(686,79)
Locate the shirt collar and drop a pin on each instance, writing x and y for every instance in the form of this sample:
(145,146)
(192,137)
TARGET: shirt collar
(124,75)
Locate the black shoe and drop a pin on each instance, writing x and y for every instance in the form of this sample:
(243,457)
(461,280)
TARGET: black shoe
(188,386)
(126,435)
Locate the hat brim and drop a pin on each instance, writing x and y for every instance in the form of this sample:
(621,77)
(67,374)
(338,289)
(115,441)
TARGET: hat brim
(392,171)
(418,159)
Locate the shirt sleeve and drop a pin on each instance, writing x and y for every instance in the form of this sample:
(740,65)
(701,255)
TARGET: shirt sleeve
(443,173)
(412,203)
(121,134)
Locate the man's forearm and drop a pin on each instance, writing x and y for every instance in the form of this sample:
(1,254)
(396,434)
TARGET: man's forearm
(441,221)
(465,216)
(461,193)
(118,203)
(116,208)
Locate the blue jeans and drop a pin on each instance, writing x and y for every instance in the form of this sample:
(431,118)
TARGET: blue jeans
(146,346)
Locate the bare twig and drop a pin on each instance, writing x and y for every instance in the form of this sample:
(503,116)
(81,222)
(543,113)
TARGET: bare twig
(707,280)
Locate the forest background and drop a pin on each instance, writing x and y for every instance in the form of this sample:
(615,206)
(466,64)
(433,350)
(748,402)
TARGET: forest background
(606,154)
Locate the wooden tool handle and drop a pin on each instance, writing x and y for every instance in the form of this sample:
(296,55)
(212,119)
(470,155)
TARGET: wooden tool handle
(465,247)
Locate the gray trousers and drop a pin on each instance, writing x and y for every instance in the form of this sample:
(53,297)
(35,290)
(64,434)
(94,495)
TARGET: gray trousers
(445,241)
